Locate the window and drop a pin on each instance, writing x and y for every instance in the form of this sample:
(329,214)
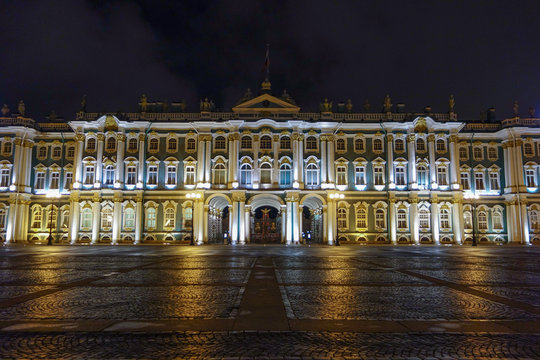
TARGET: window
(423,219)
(465,181)
(494,184)
(129,218)
(131,178)
(109,175)
(245,174)
(378,175)
(535,225)
(445,219)
(359,145)
(153,145)
(51,218)
(64,220)
(219,174)
(285,143)
(266,173)
(2,218)
(89,174)
(479,182)
(311,143)
(172,144)
(463,153)
(4,177)
(361,218)
(132,144)
(402,219)
(442,175)
(312,175)
(340,145)
(91,144)
(482,220)
(422,176)
(86,215)
(190,175)
(152,175)
(496,219)
(441,145)
(400,176)
(190,144)
(220,143)
(342,218)
(478,153)
(285,175)
(530,177)
(528,149)
(170,218)
(380,219)
(151,216)
(266,142)
(377,145)
(360,175)
(399,145)
(56,152)
(68,180)
(341,175)
(70,152)
(106,218)
(40,180)
(246,142)
(111,144)
(492,153)
(55,181)
(42,152)
(37,218)
(420,145)
(171,175)
(7,147)
(467,218)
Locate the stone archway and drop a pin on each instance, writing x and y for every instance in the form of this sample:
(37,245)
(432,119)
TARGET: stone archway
(218,219)
(312,224)
(266,221)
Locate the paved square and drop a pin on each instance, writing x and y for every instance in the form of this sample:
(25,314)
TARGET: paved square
(269,301)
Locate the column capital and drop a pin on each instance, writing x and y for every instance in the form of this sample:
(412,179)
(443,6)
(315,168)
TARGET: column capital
(101,137)
(121,137)
(238,196)
(28,144)
(292,196)
(390,137)
(276,138)
(74,196)
(431,137)
(79,137)
(141,137)
(411,138)
(17,141)
(96,197)
(234,136)
(453,138)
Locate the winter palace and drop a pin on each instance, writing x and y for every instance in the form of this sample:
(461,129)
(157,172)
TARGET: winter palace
(266,172)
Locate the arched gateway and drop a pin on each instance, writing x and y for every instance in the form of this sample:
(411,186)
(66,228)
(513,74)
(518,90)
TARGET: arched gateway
(218,219)
(265,222)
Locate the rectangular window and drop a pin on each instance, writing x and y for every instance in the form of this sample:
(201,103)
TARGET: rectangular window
(360,175)
(400,176)
(40,181)
(465,183)
(171,175)
(131,175)
(494,184)
(423,218)
(402,219)
(441,176)
(190,175)
(70,153)
(479,181)
(89,175)
(109,175)
(341,175)
(56,152)
(4,177)
(152,175)
(530,178)
(68,181)
(55,181)
(378,177)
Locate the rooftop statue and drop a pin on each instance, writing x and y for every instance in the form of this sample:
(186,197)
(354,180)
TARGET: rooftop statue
(144,103)
(516,109)
(367,106)
(326,106)
(348,106)
(83,103)
(5,110)
(387,104)
(532,111)
(206,105)
(451,104)
(21,108)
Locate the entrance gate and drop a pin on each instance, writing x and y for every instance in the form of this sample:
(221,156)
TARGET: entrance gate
(266,226)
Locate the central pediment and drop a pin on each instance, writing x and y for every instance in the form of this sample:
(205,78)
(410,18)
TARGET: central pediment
(266,104)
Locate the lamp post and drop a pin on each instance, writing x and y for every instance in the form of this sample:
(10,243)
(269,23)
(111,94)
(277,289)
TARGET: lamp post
(51,195)
(336,197)
(194,196)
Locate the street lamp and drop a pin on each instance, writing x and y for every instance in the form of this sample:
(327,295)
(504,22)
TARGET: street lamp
(193,196)
(336,196)
(52,195)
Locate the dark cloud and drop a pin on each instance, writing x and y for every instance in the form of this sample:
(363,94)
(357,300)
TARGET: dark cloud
(419,52)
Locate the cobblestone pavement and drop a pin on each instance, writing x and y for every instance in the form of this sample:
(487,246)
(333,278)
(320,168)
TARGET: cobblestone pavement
(156,302)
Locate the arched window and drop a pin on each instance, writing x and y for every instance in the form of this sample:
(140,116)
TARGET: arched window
(528,149)
(380,219)
(311,143)
(423,219)
(445,219)
(266,173)
(246,142)
(170,218)
(359,145)
(285,143)
(245,174)
(7,147)
(422,176)
(530,177)
(285,175)
(496,219)
(172,145)
(377,145)
(153,144)
(399,145)
(492,153)
(482,220)
(340,145)
(478,153)
(219,174)
(402,219)
(132,144)
(467,218)
(420,145)
(111,144)
(220,143)
(342,218)
(151,216)
(106,218)
(361,218)
(266,142)
(86,215)
(533,215)
(91,144)
(441,145)
(190,144)
(70,154)
(37,216)
(463,153)
(129,218)
(312,175)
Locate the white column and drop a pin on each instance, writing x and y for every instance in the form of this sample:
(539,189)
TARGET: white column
(99,161)
(331,220)
(10,228)
(241,219)
(255,176)
(296,175)
(323,162)
(25,211)
(231,217)
(16,171)
(297,223)
(411,148)
(120,160)
(206,224)
(200,159)
(301,161)
(139,219)
(415,235)
(390,161)
(28,166)
(77,166)
(275,172)
(140,180)
(236,157)
(208,162)
(96,207)
(290,226)
(432,168)
(74,214)
(331,165)
(233,160)
(283,224)
(519,165)
(512,223)
(454,162)
(507,167)
(21,219)
(392,219)
(457,219)
(326,238)
(435,220)
(247,223)
(524,222)
(117,220)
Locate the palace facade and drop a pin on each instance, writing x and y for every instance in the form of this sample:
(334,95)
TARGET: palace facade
(265,172)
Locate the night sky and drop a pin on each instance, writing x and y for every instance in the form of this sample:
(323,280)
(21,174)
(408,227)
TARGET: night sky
(486,53)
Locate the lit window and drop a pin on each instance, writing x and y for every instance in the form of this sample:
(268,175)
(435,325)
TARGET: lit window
(170,218)
(342,218)
(245,174)
(377,145)
(311,143)
(423,219)
(422,176)
(86,216)
(494,183)
(190,144)
(378,175)
(4,177)
(400,176)
(340,145)
(341,175)
(479,182)
(131,175)
(2,218)
(402,219)
(530,177)
(312,175)
(266,142)
(465,181)
(360,175)
(152,175)
(441,145)
(106,218)
(380,219)
(467,217)
(55,181)
(285,143)
(266,173)
(91,144)
(153,144)
(89,173)
(219,174)
(111,144)
(151,217)
(361,218)
(420,145)
(497,220)
(445,219)
(132,144)
(190,175)
(171,175)
(109,175)
(359,145)
(40,180)
(442,178)
(219,143)
(129,218)
(399,145)
(246,142)
(285,175)
(463,153)
(482,220)
(68,180)
(37,218)
(535,225)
